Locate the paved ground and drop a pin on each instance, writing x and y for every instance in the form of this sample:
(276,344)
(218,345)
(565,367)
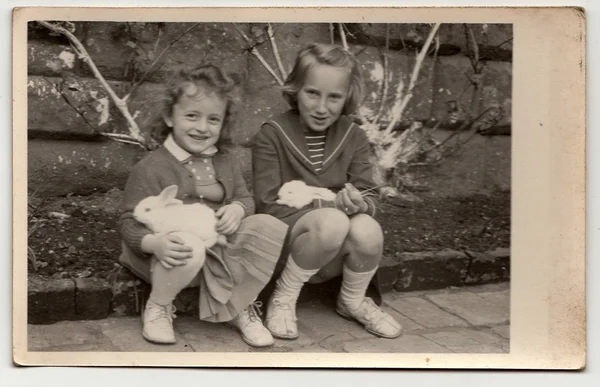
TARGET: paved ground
(465,320)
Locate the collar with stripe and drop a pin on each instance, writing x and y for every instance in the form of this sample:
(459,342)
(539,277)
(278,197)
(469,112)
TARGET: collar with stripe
(292,134)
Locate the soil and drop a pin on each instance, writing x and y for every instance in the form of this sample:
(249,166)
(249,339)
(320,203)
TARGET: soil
(77,236)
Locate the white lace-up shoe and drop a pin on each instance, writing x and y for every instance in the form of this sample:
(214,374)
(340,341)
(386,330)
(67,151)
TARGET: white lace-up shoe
(158,323)
(375,320)
(251,327)
(281,318)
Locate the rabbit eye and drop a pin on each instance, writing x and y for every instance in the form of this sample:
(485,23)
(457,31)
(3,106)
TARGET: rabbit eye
(147,209)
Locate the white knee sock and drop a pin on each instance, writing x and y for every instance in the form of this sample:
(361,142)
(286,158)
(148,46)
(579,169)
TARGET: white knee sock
(354,287)
(291,281)
(167,283)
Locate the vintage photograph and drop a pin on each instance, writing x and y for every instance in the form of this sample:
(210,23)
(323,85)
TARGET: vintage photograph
(299,188)
(286,187)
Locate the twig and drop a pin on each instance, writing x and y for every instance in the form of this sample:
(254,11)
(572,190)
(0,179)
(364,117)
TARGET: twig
(331,33)
(255,52)
(276,51)
(384,91)
(64,97)
(157,59)
(83,55)
(343,36)
(413,79)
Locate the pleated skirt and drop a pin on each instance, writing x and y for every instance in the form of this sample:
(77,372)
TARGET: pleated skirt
(233,275)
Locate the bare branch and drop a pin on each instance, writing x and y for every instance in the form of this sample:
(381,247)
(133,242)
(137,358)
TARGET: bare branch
(331,33)
(385,85)
(276,51)
(343,36)
(121,104)
(157,59)
(399,106)
(255,52)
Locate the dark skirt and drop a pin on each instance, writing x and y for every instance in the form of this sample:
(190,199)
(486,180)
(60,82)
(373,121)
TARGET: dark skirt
(323,290)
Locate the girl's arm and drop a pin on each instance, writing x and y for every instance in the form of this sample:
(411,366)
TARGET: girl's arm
(241,195)
(140,185)
(360,172)
(266,172)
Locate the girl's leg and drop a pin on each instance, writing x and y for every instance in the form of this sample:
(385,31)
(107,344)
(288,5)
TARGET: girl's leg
(316,239)
(166,285)
(364,248)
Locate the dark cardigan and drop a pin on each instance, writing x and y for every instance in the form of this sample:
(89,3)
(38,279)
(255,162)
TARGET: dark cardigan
(161,169)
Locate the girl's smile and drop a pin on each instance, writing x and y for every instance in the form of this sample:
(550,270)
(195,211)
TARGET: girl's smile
(197,119)
(323,96)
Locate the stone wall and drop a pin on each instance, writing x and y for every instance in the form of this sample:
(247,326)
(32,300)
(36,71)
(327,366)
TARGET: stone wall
(67,106)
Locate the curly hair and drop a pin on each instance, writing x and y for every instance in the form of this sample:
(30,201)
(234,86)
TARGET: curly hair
(193,81)
(326,54)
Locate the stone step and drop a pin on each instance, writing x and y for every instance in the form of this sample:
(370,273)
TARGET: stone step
(124,294)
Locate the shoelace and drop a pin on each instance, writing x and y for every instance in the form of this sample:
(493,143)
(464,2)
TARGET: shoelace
(254,311)
(167,311)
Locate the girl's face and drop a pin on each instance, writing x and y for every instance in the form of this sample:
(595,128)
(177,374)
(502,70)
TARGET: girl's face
(323,96)
(197,119)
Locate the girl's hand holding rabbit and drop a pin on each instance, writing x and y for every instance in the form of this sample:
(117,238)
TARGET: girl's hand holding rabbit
(169,249)
(229,218)
(350,200)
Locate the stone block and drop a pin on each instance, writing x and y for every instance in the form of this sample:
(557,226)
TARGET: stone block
(78,167)
(464,337)
(92,297)
(50,300)
(124,51)
(430,270)
(452,84)
(478,309)
(426,313)
(493,266)
(481,165)
(400,68)
(50,59)
(80,107)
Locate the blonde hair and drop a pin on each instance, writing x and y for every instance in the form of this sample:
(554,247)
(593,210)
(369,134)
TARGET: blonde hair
(326,54)
(192,81)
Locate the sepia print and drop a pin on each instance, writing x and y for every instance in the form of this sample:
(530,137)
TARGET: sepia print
(436,138)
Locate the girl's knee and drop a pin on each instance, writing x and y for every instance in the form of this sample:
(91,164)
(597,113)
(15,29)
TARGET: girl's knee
(332,227)
(366,234)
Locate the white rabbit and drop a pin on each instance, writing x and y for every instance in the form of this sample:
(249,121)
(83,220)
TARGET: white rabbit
(194,223)
(298,194)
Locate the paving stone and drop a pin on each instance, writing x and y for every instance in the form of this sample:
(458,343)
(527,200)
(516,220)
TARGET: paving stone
(68,336)
(464,337)
(408,325)
(403,344)
(425,313)
(477,309)
(320,322)
(204,336)
(478,348)
(315,348)
(502,330)
(126,334)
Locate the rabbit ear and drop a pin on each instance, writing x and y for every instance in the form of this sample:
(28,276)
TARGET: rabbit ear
(168,194)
